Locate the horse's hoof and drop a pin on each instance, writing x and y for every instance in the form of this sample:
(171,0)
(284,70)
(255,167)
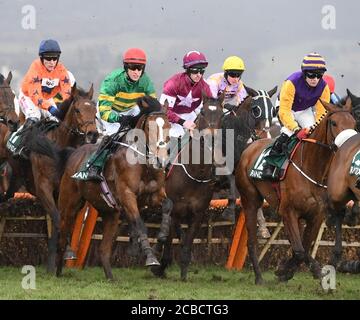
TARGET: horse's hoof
(152,261)
(157,271)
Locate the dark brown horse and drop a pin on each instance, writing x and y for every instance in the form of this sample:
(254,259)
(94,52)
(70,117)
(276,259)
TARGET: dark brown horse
(9,122)
(296,196)
(190,186)
(133,184)
(40,174)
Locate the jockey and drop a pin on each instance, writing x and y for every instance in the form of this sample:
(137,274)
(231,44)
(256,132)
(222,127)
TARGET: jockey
(183,91)
(45,78)
(117,101)
(229,81)
(300,106)
(58,98)
(334,98)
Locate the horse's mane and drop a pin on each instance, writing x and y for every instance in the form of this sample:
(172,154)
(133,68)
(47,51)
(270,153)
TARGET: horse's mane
(242,132)
(2,79)
(147,105)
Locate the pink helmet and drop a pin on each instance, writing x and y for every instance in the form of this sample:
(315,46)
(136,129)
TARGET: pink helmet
(193,58)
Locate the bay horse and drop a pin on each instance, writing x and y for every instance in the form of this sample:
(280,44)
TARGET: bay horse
(9,122)
(133,185)
(40,174)
(298,195)
(190,186)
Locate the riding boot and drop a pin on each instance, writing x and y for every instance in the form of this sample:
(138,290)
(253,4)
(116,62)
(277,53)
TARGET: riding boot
(16,141)
(97,161)
(270,171)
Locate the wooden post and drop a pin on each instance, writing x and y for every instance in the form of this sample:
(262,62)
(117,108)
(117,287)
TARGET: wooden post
(85,238)
(2,226)
(238,250)
(318,239)
(75,238)
(269,242)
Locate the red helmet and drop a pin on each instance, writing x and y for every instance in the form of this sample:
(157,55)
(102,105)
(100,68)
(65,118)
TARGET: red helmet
(135,55)
(330,81)
(193,58)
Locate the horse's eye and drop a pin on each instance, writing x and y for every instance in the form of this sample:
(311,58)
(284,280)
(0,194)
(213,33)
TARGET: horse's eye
(333,123)
(77,110)
(256,111)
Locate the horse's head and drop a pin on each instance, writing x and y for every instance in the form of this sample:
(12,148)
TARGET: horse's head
(355,101)
(7,107)
(80,114)
(210,116)
(156,126)
(337,119)
(263,110)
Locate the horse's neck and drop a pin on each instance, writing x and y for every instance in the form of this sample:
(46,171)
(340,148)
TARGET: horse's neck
(313,158)
(63,135)
(204,168)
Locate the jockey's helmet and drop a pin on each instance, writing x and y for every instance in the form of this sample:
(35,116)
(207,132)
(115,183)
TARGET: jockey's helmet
(233,63)
(49,47)
(134,56)
(313,62)
(194,58)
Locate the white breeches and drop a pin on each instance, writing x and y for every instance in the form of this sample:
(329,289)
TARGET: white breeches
(305,119)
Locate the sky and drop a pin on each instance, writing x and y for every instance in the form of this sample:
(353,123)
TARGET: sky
(271,37)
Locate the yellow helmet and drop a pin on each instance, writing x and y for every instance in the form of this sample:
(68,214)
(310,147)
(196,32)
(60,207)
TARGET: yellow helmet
(233,63)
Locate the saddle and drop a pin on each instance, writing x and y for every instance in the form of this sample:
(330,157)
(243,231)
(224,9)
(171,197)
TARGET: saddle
(281,161)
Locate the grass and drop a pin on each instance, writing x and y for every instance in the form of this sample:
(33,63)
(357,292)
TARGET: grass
(211,282)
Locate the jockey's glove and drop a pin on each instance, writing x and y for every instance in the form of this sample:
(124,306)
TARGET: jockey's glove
(54,111)
(124,120)
(302,133)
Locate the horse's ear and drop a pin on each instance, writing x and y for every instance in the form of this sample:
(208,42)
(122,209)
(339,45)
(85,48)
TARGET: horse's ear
(250,91)
(348,104)
(74,91)
(204,96)
(165,106)
(222,98)
(328,106)
(9,77)
(91,92)
(351,95)
(272,91)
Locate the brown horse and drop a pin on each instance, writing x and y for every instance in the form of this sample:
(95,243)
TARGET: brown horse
(133,184)
(40,174)
(190,186)
(299,195)
(9,122)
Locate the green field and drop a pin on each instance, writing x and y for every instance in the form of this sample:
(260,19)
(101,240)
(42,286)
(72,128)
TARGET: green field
(203,283)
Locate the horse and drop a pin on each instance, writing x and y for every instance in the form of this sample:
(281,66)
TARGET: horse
(190,186)
(260,123)
(298,195)
(133,184)
(355,108)
(40,174)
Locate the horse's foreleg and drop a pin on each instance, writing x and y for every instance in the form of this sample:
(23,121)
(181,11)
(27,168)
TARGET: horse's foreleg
(166,257)
(291,225)
(110,228)
(185,255)
(337,252)
(311,231)
(166,208)
(132,212)
(229,211)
